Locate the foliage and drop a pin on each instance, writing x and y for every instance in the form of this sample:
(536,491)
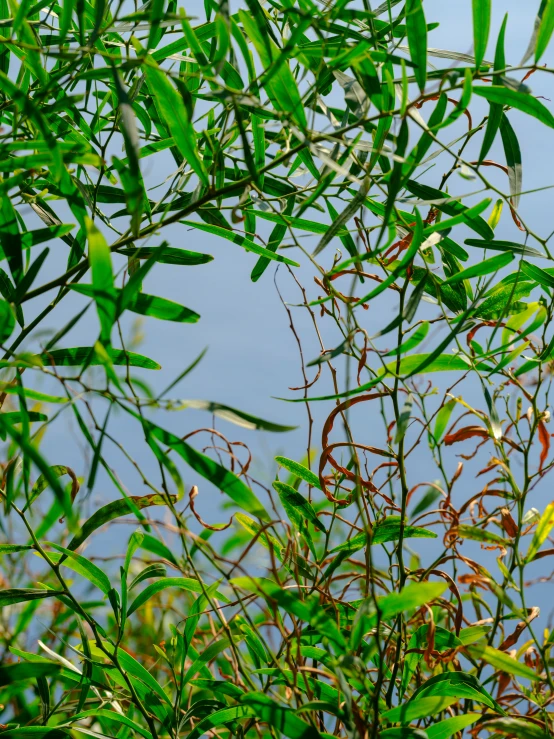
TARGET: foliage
(306,134)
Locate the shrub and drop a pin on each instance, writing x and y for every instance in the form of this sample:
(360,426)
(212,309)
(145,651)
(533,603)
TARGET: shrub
(306,134)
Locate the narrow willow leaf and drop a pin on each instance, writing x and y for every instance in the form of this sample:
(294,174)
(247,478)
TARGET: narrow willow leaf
(476,534)
(403,419)
(412,596)
(300,471)
(533,40)
(512,246)
(83,566)
(493,264)
(546,28)
(7,321)
(220,718)
(167,255)
(443,416)
(148,305)
(13,548)
(544,527)
(419,708)
(481,28)
(152,571)
(80,355)
(414,340)
(278,80)
(275,239)
(501,661)
(541,276)
(11,673)
(282,719)
(512,152)
(385,531)
(173,112)
(344,217)
(102,279)
(291,497)
(115,509)
(246,244)
(181,583)
(118,718)
(520,100)
(43,481)
(291,602)
(450,206)
(240,418)
(416,28)
(11,596)
(520,727)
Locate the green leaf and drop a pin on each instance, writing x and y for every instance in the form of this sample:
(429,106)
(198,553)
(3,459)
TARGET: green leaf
(7,321)
(416,28)
(181,583)
(522,101)
(457,685)
(412,596)
(501,661)
(147,305)
(300,471)
(512,246)
(481,268)
(518,727)
(481,28)
(173,112)
(513,159)
(152,571)
(384,531)
(414,340)
(118,718)
(43,481)
(546,28)
(403,419)
(537,274)
(246,244)
(476,534)
(102,280)
(13,548)
(167,255)
(419,708)
(12,245)
(11,596)
(443,416)
(80,355)
(290,601)
(240,418)
(82,566)
(275,239)
(110,511)
(282,719)
(277,78)
(450,206)
(293,499)
(11,673)
(450,726)
(28,416)
(220,718)
(544,527)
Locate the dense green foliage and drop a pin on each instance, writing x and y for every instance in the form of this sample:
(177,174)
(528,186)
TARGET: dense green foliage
(307,134)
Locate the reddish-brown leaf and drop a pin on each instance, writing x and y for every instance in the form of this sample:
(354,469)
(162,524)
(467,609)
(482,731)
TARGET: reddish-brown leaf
(466,433)
(544,438)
